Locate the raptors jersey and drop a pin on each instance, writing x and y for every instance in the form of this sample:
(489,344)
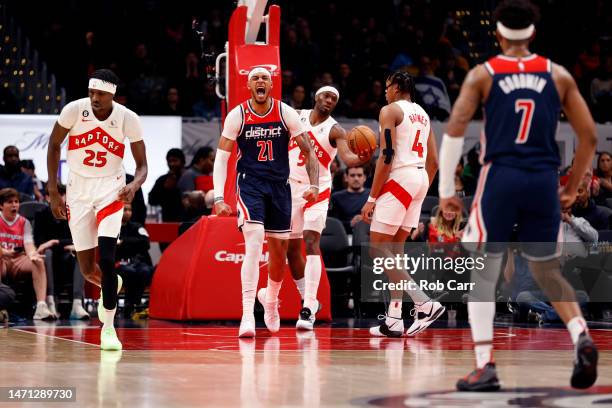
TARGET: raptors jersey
(324,151)
(522,113)
(411,136)
(96,148)
(12,233)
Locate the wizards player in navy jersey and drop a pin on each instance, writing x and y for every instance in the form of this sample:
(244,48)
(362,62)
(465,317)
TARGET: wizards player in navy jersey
(523,95)
(262,126)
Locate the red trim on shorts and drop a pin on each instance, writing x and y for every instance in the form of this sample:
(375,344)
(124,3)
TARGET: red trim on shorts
(398,191)
(242,206)
(108,210)
(325,195)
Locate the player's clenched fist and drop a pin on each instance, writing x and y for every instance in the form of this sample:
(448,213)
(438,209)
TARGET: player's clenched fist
(58,207)
(222,209)
(311,194)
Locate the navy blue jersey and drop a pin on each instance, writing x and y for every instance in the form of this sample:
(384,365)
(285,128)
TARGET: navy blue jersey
(263,143)
(521,113)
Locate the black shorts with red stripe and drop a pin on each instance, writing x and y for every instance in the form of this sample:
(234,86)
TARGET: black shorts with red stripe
(264,202)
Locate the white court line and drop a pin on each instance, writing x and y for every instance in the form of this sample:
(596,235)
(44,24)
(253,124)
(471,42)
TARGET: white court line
(56,337)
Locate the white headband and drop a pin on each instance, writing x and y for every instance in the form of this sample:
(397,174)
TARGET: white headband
(101,85)
(514,34)
(259,70)
(328,89)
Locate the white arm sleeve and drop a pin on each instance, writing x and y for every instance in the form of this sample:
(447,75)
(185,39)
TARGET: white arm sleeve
(292,120)
(28,237)
(220,173)
(232,124)
(450,153)
(131,126)
(69,115)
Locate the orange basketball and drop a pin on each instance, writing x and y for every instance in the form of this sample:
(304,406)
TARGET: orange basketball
(361,139)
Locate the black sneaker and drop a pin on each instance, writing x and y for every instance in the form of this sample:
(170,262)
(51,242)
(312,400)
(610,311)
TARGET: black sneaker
(307,318)
(585,365)
(481,379)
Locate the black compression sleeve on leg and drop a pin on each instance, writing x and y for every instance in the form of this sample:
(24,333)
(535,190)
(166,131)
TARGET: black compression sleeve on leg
(107,246)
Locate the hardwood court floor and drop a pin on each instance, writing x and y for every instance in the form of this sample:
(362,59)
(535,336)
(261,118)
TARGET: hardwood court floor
(174,365)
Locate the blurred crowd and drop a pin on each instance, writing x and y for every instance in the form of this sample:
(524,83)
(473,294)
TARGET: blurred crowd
(160,59)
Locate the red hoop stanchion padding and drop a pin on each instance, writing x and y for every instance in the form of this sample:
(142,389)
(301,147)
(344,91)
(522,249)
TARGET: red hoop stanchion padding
(198,277)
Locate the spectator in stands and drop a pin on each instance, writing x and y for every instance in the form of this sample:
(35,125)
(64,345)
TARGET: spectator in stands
(165,192)
(288,84)
(18,254)
(577,229)
(59,257)
(173,105)
(527,293)
(604,174)
(445,227)
(7,298)
(465,185)
(27,166)
(346,204)
(134,262)
(369,103)
(201,165)
(139,208)
(207,105)
(338,181)
(452,76)
(432,91)
(12,176)
(586,208)
(601,91)
(298,97)
(347,86)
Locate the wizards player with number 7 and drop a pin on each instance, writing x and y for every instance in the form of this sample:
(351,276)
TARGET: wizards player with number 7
(262,127)
(523,94)
(97,128)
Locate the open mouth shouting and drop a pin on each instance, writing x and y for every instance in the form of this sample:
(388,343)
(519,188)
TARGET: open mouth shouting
(260,90)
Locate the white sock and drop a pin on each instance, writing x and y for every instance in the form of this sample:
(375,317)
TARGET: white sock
(481,322)
(272,290)
(109,318)
(312,275)
(576,326)
(40,303)
(249,272)
(77,303)
(483,354)
(301,286)
(395,308)
(50,300)
(418,296)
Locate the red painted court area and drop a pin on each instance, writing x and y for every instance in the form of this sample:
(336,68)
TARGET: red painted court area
(225,338)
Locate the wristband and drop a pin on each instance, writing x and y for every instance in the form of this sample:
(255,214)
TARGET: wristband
(371,199)
(313,186)
(218,200)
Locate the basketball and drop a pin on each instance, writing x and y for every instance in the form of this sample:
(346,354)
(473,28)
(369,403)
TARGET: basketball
(362,139)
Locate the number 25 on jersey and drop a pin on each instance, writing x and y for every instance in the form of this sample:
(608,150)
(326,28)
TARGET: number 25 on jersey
(95,159)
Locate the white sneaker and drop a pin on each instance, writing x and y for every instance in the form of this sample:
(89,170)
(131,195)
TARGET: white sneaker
(307,318)
(53,311)
(247,326)
(271,316)
(424,315)
(391,327)
(42,312)
(101,303)
(78,312)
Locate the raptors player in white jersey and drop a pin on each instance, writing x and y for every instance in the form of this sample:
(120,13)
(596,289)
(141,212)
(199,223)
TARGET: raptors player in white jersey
(97,128)
(404,170)
(327,138)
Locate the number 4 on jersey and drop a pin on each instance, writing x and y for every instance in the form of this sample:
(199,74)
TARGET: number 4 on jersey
(418,146)
(525,107)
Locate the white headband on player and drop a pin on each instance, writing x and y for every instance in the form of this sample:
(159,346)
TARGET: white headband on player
(259,70)
(514,34)
(101,85)
(328,89)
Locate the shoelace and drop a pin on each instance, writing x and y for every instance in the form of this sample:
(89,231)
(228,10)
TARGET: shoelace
(384,316)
